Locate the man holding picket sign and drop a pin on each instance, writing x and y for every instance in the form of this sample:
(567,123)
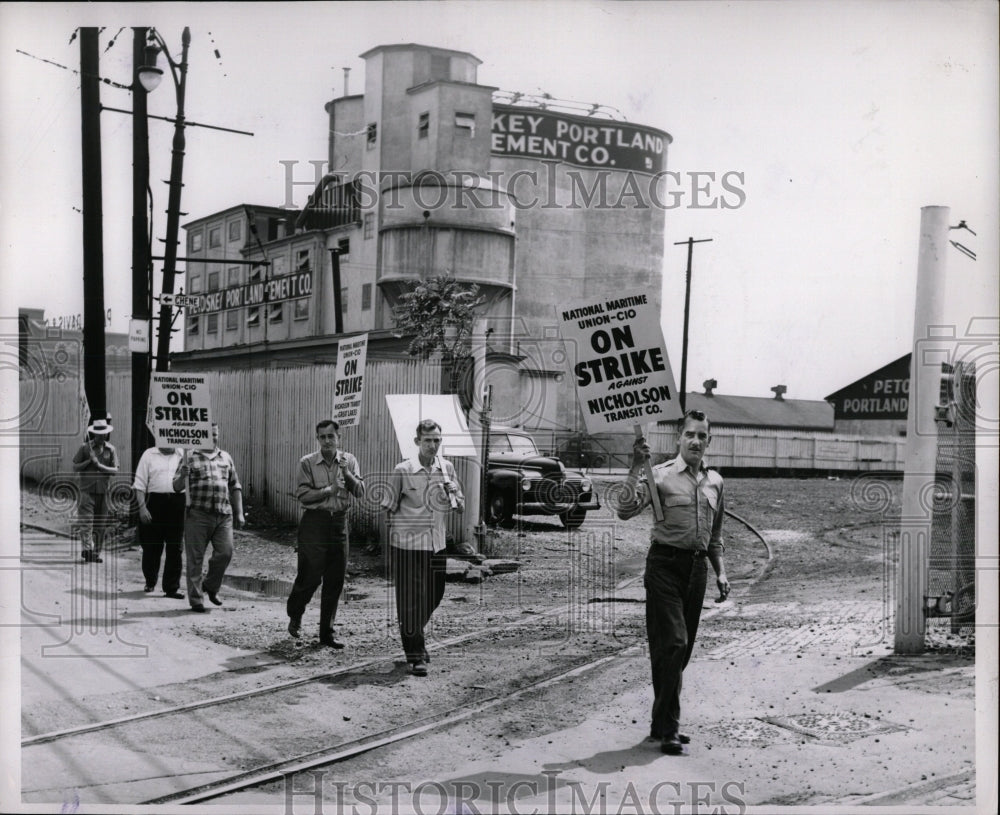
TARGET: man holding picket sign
(624,379)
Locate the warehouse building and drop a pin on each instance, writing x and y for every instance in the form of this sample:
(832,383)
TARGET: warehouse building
(535,201)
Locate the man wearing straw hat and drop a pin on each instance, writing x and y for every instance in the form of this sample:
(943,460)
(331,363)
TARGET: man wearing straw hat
(94,463)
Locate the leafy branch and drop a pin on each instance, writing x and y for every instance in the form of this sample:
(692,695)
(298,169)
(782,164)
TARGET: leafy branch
(439,312)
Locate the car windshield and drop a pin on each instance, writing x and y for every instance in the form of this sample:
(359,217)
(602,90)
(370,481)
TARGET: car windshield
(509,443)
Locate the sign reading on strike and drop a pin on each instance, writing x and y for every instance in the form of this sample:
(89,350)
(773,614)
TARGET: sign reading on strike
(180,413)
(351,355)
(619,362)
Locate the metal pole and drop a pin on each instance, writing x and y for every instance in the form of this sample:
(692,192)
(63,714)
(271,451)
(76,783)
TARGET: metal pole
(141,304)
(173,207)
(687,311)
(930,347)
(93,237)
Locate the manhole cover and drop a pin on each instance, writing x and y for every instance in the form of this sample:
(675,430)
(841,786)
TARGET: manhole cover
(837,726)
(748,731)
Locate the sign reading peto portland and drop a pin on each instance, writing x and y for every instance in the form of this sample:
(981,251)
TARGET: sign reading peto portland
(619,361)
(180,411)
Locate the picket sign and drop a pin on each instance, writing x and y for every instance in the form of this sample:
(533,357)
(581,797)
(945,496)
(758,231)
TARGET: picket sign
(616,354)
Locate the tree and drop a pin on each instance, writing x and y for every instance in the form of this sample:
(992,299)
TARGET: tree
(439,312)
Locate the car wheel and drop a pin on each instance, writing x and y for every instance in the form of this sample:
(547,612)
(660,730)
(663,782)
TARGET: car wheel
(501,510)
(573,519)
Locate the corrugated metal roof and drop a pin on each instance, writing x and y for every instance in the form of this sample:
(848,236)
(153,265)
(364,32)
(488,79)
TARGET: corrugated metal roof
(758,411)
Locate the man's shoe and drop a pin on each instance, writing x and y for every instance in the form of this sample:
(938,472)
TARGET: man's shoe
(96,559)
(671,745)
(213,596)
(174,595)
(683,738)
(295,626)
(418,668)
(148,588)
(328,640)
(200,609)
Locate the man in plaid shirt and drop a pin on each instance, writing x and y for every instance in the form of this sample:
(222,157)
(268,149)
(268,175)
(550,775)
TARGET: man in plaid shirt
(215,503)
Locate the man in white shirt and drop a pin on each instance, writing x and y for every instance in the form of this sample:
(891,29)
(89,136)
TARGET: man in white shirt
(161,518)
(424,491)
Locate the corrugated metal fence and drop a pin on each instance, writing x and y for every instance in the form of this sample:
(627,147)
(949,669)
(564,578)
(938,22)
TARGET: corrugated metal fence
(792,450)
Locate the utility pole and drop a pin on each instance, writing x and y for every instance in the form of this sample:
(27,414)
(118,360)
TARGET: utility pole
(93,236)
(932,342)
(141,282)
(687,311)
(173,205)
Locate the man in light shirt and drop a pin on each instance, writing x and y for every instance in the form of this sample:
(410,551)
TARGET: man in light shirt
(423,492)
(161,518)
(681,546)
(327,480)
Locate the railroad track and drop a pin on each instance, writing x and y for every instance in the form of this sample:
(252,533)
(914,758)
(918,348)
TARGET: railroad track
(270,771)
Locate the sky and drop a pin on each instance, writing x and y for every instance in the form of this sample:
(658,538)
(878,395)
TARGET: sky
(844,118)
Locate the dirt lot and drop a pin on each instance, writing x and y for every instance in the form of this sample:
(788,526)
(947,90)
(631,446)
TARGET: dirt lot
(828,543)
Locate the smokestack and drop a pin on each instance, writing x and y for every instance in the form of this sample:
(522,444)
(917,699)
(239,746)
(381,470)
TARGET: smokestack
(709,385)
(779,391)
(347,73)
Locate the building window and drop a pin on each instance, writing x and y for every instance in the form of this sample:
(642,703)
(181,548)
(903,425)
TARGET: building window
(233,276)
(302,260)
(466,121)
(213,281)
(215,237)
(279,266)
(369,226)
(344,248)
(235,230)
(192,325)
(343,300)
(253,316)
(423,125)
(276,312)
(196,241)
(366,296)
(301,310)
(195,284)
(256,273)
(213,323)
(372,135)
(232,320)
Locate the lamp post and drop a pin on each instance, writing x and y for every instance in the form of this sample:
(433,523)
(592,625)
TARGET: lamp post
(149,77)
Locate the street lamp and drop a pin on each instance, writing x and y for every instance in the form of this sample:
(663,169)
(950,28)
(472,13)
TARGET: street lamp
(149,76)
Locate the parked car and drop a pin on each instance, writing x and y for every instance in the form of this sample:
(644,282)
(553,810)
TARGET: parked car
(522,481)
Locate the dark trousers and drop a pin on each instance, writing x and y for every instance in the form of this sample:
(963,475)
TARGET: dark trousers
(675,588)
(322,559)
(419,580)
(165,530)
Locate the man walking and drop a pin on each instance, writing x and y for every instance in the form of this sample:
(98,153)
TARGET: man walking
(161,518)
(691,531)
(327,479)
(423,491)
(95,462)
(215,504)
